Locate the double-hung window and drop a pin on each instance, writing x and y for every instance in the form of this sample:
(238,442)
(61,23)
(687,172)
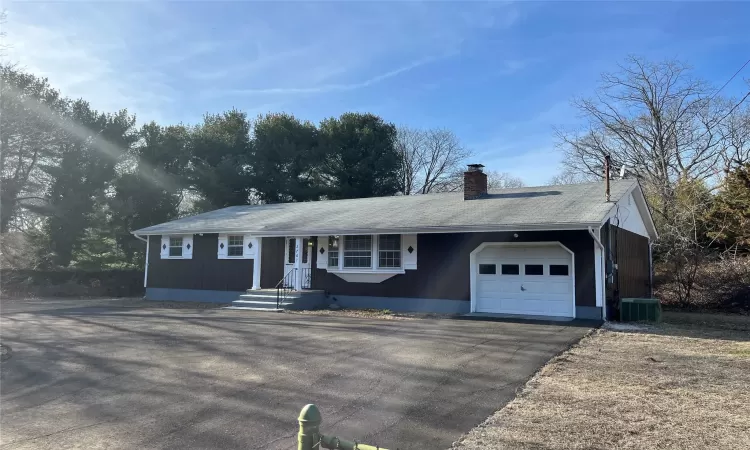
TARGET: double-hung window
(235,246)
(358,251)
(333,251)
(389,251)
(175,246)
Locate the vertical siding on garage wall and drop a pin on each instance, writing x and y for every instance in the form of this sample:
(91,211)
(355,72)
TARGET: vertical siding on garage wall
(204,271)
(443,267)
(630,252)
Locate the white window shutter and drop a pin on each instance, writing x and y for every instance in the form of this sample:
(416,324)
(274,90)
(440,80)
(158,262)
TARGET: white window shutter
(164,249)
(409,241)
(221,247)
(250,246)
(187,247)
(322,261)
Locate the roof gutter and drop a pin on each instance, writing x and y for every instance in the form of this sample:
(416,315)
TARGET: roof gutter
(355,231)
(141,238)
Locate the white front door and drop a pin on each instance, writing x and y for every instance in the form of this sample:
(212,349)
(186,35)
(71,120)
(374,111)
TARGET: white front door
(533,280)
(290,256)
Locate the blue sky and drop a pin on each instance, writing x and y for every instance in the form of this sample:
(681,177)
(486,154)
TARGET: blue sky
(500,74)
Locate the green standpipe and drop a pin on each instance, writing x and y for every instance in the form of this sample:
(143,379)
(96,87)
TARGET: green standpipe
(310,438)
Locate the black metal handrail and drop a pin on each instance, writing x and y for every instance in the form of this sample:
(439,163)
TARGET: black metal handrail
(284,285)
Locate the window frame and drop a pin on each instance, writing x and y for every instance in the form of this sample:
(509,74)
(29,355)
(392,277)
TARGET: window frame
(334,247)
(526,274)
(231,246)
(171,246)
(567,270)
(369,253)
(518,270)
(394,253)
(373,251)
(494,268)
(291,251)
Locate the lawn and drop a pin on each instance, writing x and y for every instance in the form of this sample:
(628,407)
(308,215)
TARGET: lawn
(684,384)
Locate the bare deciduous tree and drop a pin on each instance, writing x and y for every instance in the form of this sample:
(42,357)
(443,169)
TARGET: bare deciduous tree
(656,119)
(568,176)
(431,160)
(735,138)
(503,180)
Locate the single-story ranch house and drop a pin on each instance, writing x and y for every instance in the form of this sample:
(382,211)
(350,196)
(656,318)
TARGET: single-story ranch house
(568,251)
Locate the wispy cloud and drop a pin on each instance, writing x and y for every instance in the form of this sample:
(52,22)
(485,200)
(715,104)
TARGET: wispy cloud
(166,61)
(80,66)
(333,87)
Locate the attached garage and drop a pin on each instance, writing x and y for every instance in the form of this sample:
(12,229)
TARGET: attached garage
(523,278)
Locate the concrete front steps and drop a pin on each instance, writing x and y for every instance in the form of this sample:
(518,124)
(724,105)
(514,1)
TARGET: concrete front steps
(265,300)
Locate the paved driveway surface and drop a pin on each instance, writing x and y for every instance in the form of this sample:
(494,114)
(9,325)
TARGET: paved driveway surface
(112,377)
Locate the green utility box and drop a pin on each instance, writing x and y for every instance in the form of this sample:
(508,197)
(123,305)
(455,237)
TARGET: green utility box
(640,310)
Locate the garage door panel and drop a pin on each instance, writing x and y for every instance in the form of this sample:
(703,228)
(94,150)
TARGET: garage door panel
(532,294)
(538,252)
(540,307)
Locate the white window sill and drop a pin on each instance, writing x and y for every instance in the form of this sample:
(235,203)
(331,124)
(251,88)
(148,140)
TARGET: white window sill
(367,271)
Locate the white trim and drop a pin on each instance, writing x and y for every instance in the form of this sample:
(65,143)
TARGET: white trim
(394,271)
(256,264)
(483,245)
(365,277)
(409,260)
(164,247)
(416,230)
(222,251)
(187,246)
(341,253)
(145,271)
(145,268)
(298,263)
(187,239)
(644,213)
(599,275)
(321,259)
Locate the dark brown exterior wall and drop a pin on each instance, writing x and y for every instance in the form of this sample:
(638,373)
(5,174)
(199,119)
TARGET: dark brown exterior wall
(204,271)
(271,261)
(443,267)
(630,252)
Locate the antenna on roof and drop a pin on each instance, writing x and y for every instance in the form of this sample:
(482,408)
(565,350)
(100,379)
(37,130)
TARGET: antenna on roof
(622,171)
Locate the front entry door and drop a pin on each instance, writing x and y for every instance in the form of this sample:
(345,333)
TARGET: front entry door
(305,263)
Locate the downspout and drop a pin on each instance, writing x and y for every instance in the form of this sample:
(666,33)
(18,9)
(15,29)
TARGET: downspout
(145,270)
(602,275)
(650,268)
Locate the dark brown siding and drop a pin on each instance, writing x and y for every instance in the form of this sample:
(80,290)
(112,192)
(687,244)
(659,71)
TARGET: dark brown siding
(443,267)
(631,255)
(271,261)
(204,271)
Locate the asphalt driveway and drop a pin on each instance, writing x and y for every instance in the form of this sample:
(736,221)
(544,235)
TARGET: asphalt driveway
(104,376)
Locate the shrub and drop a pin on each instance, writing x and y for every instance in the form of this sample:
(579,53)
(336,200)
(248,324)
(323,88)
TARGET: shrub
(718,284)
(71,283)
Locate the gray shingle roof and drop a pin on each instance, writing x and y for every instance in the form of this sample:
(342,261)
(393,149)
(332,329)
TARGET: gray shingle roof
(524,208)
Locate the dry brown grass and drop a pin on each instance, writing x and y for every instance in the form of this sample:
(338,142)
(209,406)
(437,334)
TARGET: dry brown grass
(678,386)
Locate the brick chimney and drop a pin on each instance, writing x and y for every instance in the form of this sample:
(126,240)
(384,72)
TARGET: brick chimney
(475,182)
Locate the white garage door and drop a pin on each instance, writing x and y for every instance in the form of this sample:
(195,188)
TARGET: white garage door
(533,280)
